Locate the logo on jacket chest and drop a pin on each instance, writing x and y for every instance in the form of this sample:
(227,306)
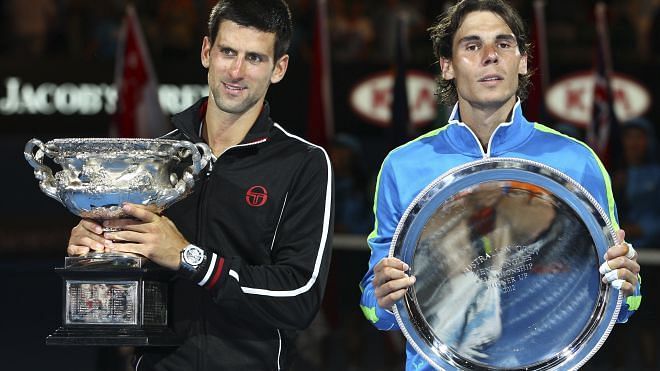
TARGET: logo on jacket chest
(256,196)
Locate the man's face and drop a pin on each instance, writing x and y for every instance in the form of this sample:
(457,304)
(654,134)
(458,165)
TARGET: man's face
(241,67)
(485,61)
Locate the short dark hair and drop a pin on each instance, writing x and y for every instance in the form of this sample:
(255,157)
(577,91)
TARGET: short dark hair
(271,16)
(443,31)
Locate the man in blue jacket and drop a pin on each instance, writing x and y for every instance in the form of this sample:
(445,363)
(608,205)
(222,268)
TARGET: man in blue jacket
(482,47)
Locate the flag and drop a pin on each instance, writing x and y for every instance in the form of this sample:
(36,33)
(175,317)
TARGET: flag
(603,131)
(400,127)
(138,110)
(320,125)
(535,107)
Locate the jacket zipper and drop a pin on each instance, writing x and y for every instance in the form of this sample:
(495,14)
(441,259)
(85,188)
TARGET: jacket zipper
(487,153)
(279,348)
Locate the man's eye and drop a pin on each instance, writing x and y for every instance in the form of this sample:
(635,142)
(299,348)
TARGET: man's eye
(471,47)
(254,58)
(226,51)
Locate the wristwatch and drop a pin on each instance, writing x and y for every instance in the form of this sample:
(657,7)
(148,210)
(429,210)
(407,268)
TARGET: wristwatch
(192,258)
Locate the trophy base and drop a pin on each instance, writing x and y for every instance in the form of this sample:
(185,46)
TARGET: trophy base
(89,336)
(114,300)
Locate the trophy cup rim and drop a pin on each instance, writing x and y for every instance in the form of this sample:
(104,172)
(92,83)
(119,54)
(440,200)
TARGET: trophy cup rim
(151,147)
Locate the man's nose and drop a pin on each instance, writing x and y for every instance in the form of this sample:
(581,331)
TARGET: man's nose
(236,68)
(490,54)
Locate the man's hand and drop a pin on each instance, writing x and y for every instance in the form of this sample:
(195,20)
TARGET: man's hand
(391,281)
(86,237)
(151,235)
(620,267)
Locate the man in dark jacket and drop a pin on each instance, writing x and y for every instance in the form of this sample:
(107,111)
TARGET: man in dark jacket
(251,244)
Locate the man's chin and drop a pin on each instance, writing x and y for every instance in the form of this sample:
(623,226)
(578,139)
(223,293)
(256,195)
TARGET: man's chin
(234,107)
(495,101)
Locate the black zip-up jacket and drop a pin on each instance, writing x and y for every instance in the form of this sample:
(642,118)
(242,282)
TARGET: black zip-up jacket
(264,212)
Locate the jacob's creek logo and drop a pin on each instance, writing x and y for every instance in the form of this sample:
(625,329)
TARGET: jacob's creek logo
(256,196)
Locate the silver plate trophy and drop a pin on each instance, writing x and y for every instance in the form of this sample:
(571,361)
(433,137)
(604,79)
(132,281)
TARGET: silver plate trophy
(115,298)
(506,254)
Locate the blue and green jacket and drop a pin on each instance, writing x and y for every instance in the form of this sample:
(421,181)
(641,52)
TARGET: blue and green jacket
(408,169)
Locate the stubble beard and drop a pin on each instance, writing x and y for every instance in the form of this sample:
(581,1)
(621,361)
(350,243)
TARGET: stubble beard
(238,108)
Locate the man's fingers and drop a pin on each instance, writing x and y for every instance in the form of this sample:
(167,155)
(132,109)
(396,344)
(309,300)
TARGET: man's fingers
(121,236)
(622,262)
(619,274)
(388,301)
(73,250)
(94,242)
(625,287)
(391,263)
(85,237)
(617,284)
(605,268)
(390,292)
(123,224)
(128,248)
(631,253)
(139,212)
(91,240)
(388,274)
(91,226)
(391,281)
(610,276)
(620,251)
(394,285)
(621,279)
(620,268)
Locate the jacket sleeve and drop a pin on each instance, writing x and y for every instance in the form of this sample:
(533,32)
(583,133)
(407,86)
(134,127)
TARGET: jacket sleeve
(600,186)
(286,294)
(387,213)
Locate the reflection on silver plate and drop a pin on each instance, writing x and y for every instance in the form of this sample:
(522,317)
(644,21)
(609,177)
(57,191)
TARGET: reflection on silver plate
(506,254)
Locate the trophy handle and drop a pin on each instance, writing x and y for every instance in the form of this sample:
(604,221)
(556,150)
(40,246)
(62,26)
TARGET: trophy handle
(201,156)
(42,172)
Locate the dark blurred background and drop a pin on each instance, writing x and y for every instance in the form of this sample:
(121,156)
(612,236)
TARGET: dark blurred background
(71,45)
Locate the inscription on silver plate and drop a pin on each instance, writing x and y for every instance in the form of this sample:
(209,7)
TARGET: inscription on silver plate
(93,302)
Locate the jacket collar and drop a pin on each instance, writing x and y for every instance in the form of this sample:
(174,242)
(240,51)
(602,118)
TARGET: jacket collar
(190,120)
(505,137)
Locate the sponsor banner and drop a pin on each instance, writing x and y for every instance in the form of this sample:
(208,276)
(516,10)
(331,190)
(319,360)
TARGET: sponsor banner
(47,98)
(571,98)
(372,98)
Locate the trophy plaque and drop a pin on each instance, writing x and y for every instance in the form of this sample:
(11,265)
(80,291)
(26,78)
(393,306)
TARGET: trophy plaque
(506,254)
(115,299)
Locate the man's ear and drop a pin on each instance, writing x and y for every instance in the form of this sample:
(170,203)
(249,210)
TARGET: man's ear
(206,52)
(446,69)
(280,69)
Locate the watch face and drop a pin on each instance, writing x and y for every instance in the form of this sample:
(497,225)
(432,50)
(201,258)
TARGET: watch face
(193,255)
